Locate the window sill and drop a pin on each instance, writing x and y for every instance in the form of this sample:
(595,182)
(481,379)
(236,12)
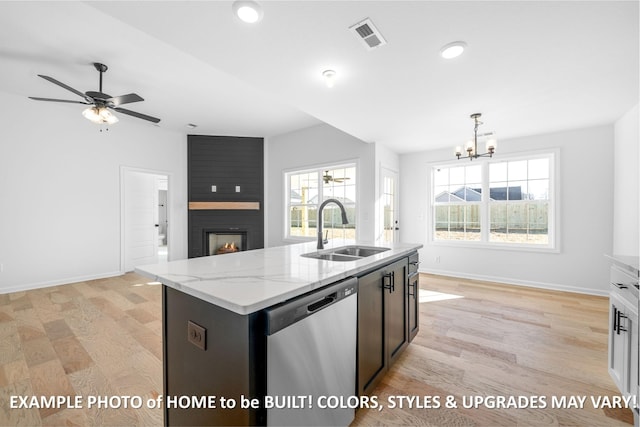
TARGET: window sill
(513,247)
(298,239)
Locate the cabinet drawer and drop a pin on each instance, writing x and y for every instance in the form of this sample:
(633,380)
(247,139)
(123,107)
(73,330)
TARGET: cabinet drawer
(624,285)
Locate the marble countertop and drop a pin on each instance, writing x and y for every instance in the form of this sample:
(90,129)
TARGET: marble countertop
(246,282)
(628,262)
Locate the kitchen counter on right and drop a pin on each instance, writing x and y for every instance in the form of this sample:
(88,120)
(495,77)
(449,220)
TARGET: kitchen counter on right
(631,263)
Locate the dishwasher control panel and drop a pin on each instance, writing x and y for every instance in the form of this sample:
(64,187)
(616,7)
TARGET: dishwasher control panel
(289,312)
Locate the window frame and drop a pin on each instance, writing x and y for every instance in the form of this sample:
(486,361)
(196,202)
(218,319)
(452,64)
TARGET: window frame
(287,237)
(553,245)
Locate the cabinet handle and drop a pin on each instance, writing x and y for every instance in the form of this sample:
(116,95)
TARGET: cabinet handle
(388,281)
(620,285)
(413,285)
(615,320)
(620,327)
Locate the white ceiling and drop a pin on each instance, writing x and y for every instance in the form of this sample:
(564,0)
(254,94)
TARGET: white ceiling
(530,67)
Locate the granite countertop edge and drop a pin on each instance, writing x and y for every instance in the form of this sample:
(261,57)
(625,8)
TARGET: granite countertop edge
(247,282)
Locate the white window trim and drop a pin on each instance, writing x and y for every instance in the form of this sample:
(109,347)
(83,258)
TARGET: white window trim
(314,168)
(554,198)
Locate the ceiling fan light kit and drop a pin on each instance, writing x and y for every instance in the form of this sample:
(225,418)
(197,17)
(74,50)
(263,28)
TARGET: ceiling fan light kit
(100,115)
(100,103)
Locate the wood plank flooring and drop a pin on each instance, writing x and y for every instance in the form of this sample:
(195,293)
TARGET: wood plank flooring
(97,338)
(499,340)
(103,338)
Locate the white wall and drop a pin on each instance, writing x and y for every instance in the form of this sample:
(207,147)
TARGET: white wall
(585,224)
(626,187)
(316,146)
(60,191)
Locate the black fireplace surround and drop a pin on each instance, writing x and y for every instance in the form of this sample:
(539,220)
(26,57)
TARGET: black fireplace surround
(228,163)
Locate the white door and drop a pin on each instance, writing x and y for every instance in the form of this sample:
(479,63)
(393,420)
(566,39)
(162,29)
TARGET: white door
(389,206)
(140,219)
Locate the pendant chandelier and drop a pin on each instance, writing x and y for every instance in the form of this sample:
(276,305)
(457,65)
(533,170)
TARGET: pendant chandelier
(472,145)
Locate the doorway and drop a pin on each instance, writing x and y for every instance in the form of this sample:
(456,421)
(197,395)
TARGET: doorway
(144,217)
(389,227)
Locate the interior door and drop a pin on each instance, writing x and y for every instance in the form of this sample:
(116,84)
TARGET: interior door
(140,218)
(389,206)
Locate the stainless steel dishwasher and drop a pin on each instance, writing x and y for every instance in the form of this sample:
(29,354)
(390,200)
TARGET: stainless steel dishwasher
(311,353)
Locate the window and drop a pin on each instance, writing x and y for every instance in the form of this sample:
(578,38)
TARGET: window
(499,202)
(307,189)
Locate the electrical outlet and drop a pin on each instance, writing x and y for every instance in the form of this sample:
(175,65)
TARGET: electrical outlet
(1,268)
(214,189)
(197,335)
(438,259)
(237,188)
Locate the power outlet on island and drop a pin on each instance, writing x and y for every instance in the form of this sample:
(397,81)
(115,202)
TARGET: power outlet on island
(197,335)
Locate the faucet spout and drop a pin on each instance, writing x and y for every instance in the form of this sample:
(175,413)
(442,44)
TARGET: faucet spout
(321,241)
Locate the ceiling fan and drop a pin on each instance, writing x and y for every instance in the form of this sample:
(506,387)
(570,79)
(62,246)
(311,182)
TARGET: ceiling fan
(328,178)
(100,102)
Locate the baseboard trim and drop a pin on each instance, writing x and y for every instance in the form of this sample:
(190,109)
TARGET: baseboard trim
(517,282)
(48,284)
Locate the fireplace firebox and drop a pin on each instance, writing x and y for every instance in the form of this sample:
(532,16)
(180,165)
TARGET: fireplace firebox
(217,242)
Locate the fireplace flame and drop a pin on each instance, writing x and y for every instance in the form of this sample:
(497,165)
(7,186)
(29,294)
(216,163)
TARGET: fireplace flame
(227,248)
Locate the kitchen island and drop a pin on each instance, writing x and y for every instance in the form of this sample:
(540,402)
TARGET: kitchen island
(215,327)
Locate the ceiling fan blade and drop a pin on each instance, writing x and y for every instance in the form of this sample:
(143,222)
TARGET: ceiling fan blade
(59,100)
(69,88)
(138,115)
(125,99)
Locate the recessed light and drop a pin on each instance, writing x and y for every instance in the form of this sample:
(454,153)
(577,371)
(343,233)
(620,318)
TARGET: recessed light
(248,11)
(329,77)
(191,126)
(452,50)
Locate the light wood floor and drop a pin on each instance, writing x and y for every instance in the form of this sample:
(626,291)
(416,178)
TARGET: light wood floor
(503,340)
(103,338)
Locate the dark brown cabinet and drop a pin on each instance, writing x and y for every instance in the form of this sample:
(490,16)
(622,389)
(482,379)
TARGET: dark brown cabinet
(413,297)
(382,322)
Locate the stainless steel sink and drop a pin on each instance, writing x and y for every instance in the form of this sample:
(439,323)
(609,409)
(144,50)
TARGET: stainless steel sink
(331,256)
(345,253)
(359,251)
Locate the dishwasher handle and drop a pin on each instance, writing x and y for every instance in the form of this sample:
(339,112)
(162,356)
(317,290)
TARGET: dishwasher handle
(287,313)
(322,302)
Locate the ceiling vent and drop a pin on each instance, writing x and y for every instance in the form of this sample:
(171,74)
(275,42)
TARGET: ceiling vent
(368,34)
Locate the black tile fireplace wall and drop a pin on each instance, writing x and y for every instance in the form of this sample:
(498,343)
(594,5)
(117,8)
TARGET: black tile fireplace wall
(225,162)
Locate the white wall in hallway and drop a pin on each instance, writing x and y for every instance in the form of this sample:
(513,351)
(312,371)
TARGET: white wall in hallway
(585,224)
(60,191)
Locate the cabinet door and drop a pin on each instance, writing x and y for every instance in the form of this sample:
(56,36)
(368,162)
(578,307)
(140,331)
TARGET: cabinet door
(617,345)
(396,309)
(382,322)
(634,373)
(630,323)
(371,330)
(413,303)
